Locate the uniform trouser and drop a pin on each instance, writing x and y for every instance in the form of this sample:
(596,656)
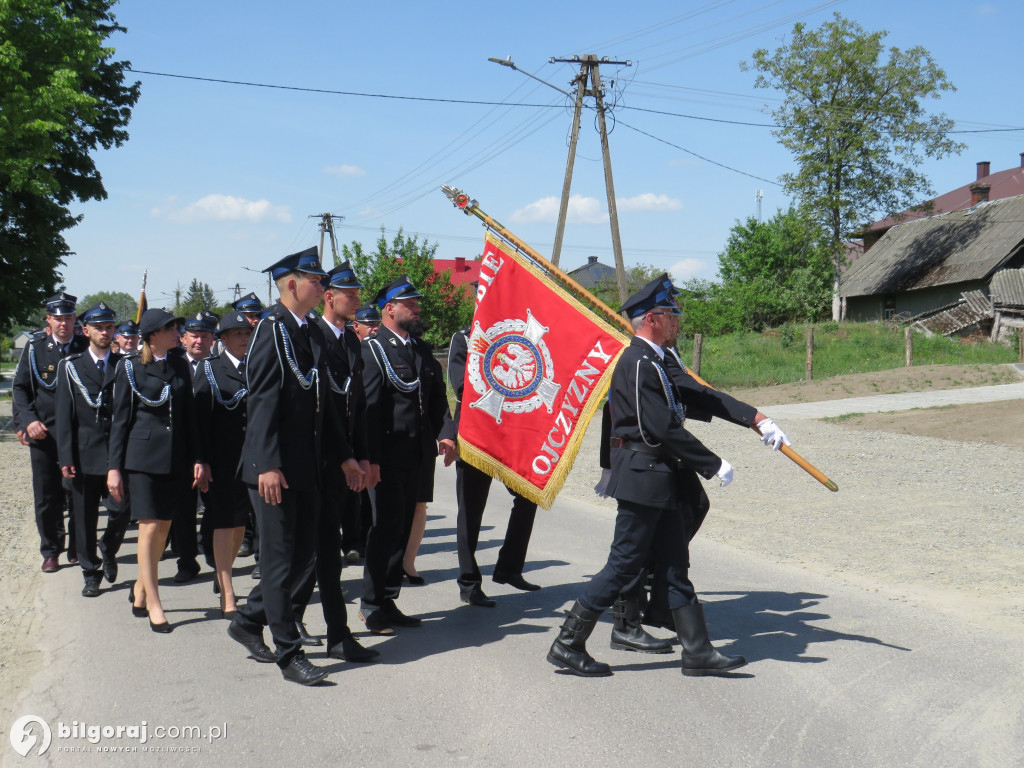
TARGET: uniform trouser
(394,505)
(325,570)
(186,542)
(353,531)
(694,512)
(472,487)
(48,492)
(289,531)
(86,492)
(640,531)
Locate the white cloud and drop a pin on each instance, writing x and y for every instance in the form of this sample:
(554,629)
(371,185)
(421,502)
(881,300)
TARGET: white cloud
(987,9)
(218,207)
(582,210)
(592,210)
(344,170)
(683,270)
(649,201)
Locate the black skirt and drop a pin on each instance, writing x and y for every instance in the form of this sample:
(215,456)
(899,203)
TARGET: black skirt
(158,497)
(227,504)
(425,491)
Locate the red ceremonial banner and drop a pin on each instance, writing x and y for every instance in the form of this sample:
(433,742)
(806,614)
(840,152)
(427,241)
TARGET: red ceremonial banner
(538,366)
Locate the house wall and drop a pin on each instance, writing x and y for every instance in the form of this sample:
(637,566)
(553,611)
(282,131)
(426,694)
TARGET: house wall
(865,309)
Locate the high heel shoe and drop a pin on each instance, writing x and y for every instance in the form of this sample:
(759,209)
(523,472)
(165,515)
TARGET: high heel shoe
(162,628)
(416,581)
(137,612)
(226,614)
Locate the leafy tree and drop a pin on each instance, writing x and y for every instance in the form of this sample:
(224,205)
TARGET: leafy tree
(853,115)
(123,304)
(198,298)
(446,307)
(770,273)
(62,97)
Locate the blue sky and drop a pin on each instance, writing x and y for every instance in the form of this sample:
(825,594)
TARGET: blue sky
(220,179)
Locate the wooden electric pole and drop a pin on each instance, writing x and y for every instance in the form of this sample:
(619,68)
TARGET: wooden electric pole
(327,227)
(590,69)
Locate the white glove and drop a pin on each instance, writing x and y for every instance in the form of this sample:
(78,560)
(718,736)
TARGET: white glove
(602,485)
(771,434)
(725,473)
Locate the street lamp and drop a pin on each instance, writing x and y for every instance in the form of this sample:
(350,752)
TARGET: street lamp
(507,62)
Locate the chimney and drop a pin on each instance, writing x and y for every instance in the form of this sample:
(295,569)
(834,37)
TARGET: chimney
(460,264)
(979,192)
(983,168)
(591,259)
(1022,159)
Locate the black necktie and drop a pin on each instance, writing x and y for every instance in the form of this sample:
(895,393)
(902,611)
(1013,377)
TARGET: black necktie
(161,366)
(304,329)
(101,365)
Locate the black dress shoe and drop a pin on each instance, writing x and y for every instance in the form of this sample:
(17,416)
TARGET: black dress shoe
(416,581)
(397,618)
(377,622)
(245,550)
(349,649)
(304,637)
(92,585)
(256,572)
(72,558)
(252,642)
(110,569)
(162,628)
(515,580)
(185,575)
(300,671)
(137,612)
(477,597)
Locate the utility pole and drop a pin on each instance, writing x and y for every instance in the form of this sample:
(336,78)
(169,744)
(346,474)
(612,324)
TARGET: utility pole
(758,198)
(238,293)
(563,206)
(327,227)
(590,69)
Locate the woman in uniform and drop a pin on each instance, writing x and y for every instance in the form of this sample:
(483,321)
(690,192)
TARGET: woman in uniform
(154,449)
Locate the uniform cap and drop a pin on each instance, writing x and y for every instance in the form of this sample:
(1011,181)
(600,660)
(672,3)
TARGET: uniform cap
(367,313)
(98,313)
(232,320)
(398,289)
(658,293)
(61,304)
(202,321)
(248,303)
(303,261)
(155,319)
(342,276)
(128,328)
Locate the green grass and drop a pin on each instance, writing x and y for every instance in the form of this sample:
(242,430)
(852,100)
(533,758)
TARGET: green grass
(777,356)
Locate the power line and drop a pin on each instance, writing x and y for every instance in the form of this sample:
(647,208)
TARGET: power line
(701,157)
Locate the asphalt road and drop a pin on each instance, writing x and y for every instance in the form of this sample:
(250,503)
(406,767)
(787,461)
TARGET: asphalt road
(840,675)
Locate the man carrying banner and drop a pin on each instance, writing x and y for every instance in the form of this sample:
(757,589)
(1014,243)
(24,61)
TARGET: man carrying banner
(653,461)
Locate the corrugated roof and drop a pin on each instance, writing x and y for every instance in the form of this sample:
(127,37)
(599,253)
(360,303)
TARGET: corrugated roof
(1007,288)
(940,250)
(949,320)
(978,302)
(1003,184)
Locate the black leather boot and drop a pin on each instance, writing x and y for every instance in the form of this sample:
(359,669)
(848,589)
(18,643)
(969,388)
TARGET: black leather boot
(569,651)
(628,635)
(699,656)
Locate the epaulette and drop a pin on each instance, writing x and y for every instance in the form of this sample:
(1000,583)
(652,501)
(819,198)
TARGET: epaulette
(73,356)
